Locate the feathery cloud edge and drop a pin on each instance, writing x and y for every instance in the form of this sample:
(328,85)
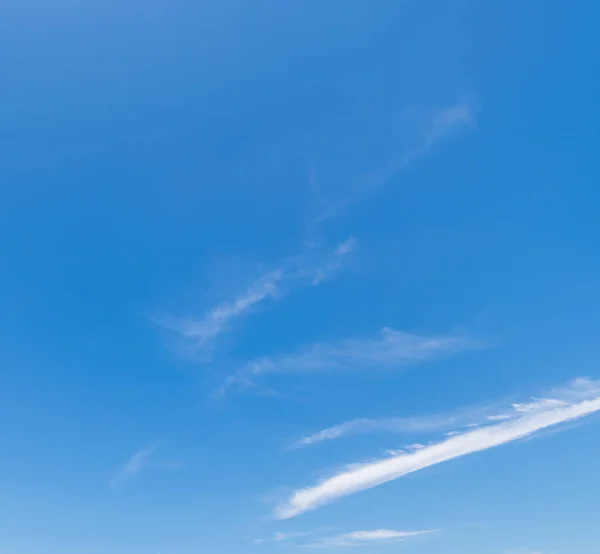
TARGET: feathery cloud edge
(135,464)
(203,331)
(580,399)
(389,350)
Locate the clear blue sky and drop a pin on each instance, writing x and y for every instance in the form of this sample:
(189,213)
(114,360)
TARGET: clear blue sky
(287,274)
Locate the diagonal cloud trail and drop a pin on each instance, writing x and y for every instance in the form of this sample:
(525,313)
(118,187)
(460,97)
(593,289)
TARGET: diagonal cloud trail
(536,417)
(137,463)
(203,331)
(404,425)
(216,320)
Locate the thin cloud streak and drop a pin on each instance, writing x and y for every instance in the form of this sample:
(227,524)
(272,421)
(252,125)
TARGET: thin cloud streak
(404,425)
(452,422)
(390,350)
(138,462)
(441,124)
(279,538)
(447,121)
(579,400)
(292,273)
(217,320)
(368,538)
(329,268)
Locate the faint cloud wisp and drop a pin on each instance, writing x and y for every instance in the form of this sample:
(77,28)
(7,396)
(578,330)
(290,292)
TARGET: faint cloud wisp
(137,463)
(390,350)
(402,425)
(368,538)
(202,332)
(439,125)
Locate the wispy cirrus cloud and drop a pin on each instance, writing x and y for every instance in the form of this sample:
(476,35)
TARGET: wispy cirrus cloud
(401,425)
(389,350)
(293,273)
(137,463)
(328,268)
(377,537)
(280,538)
(578,400)
(368,538)
(218,319)
(202,332)
(436,126)
(141,461)
(452,422)
(446,121)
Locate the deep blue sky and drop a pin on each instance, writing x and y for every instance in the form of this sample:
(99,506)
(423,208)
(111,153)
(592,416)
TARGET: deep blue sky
(226,226)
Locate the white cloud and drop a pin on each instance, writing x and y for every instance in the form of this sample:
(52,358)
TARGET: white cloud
(452,423)
(389,350)
(368,538)
(279,538)
(580,399)
(346,247)
(354,538)
(217,319)
(403,425)
(138,462)
(293,273)
(446,121)
(330,267)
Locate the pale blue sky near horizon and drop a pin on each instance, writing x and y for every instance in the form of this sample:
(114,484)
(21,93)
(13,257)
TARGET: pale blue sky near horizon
(284,275)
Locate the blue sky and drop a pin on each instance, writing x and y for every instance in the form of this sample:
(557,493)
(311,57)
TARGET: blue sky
(278,276)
